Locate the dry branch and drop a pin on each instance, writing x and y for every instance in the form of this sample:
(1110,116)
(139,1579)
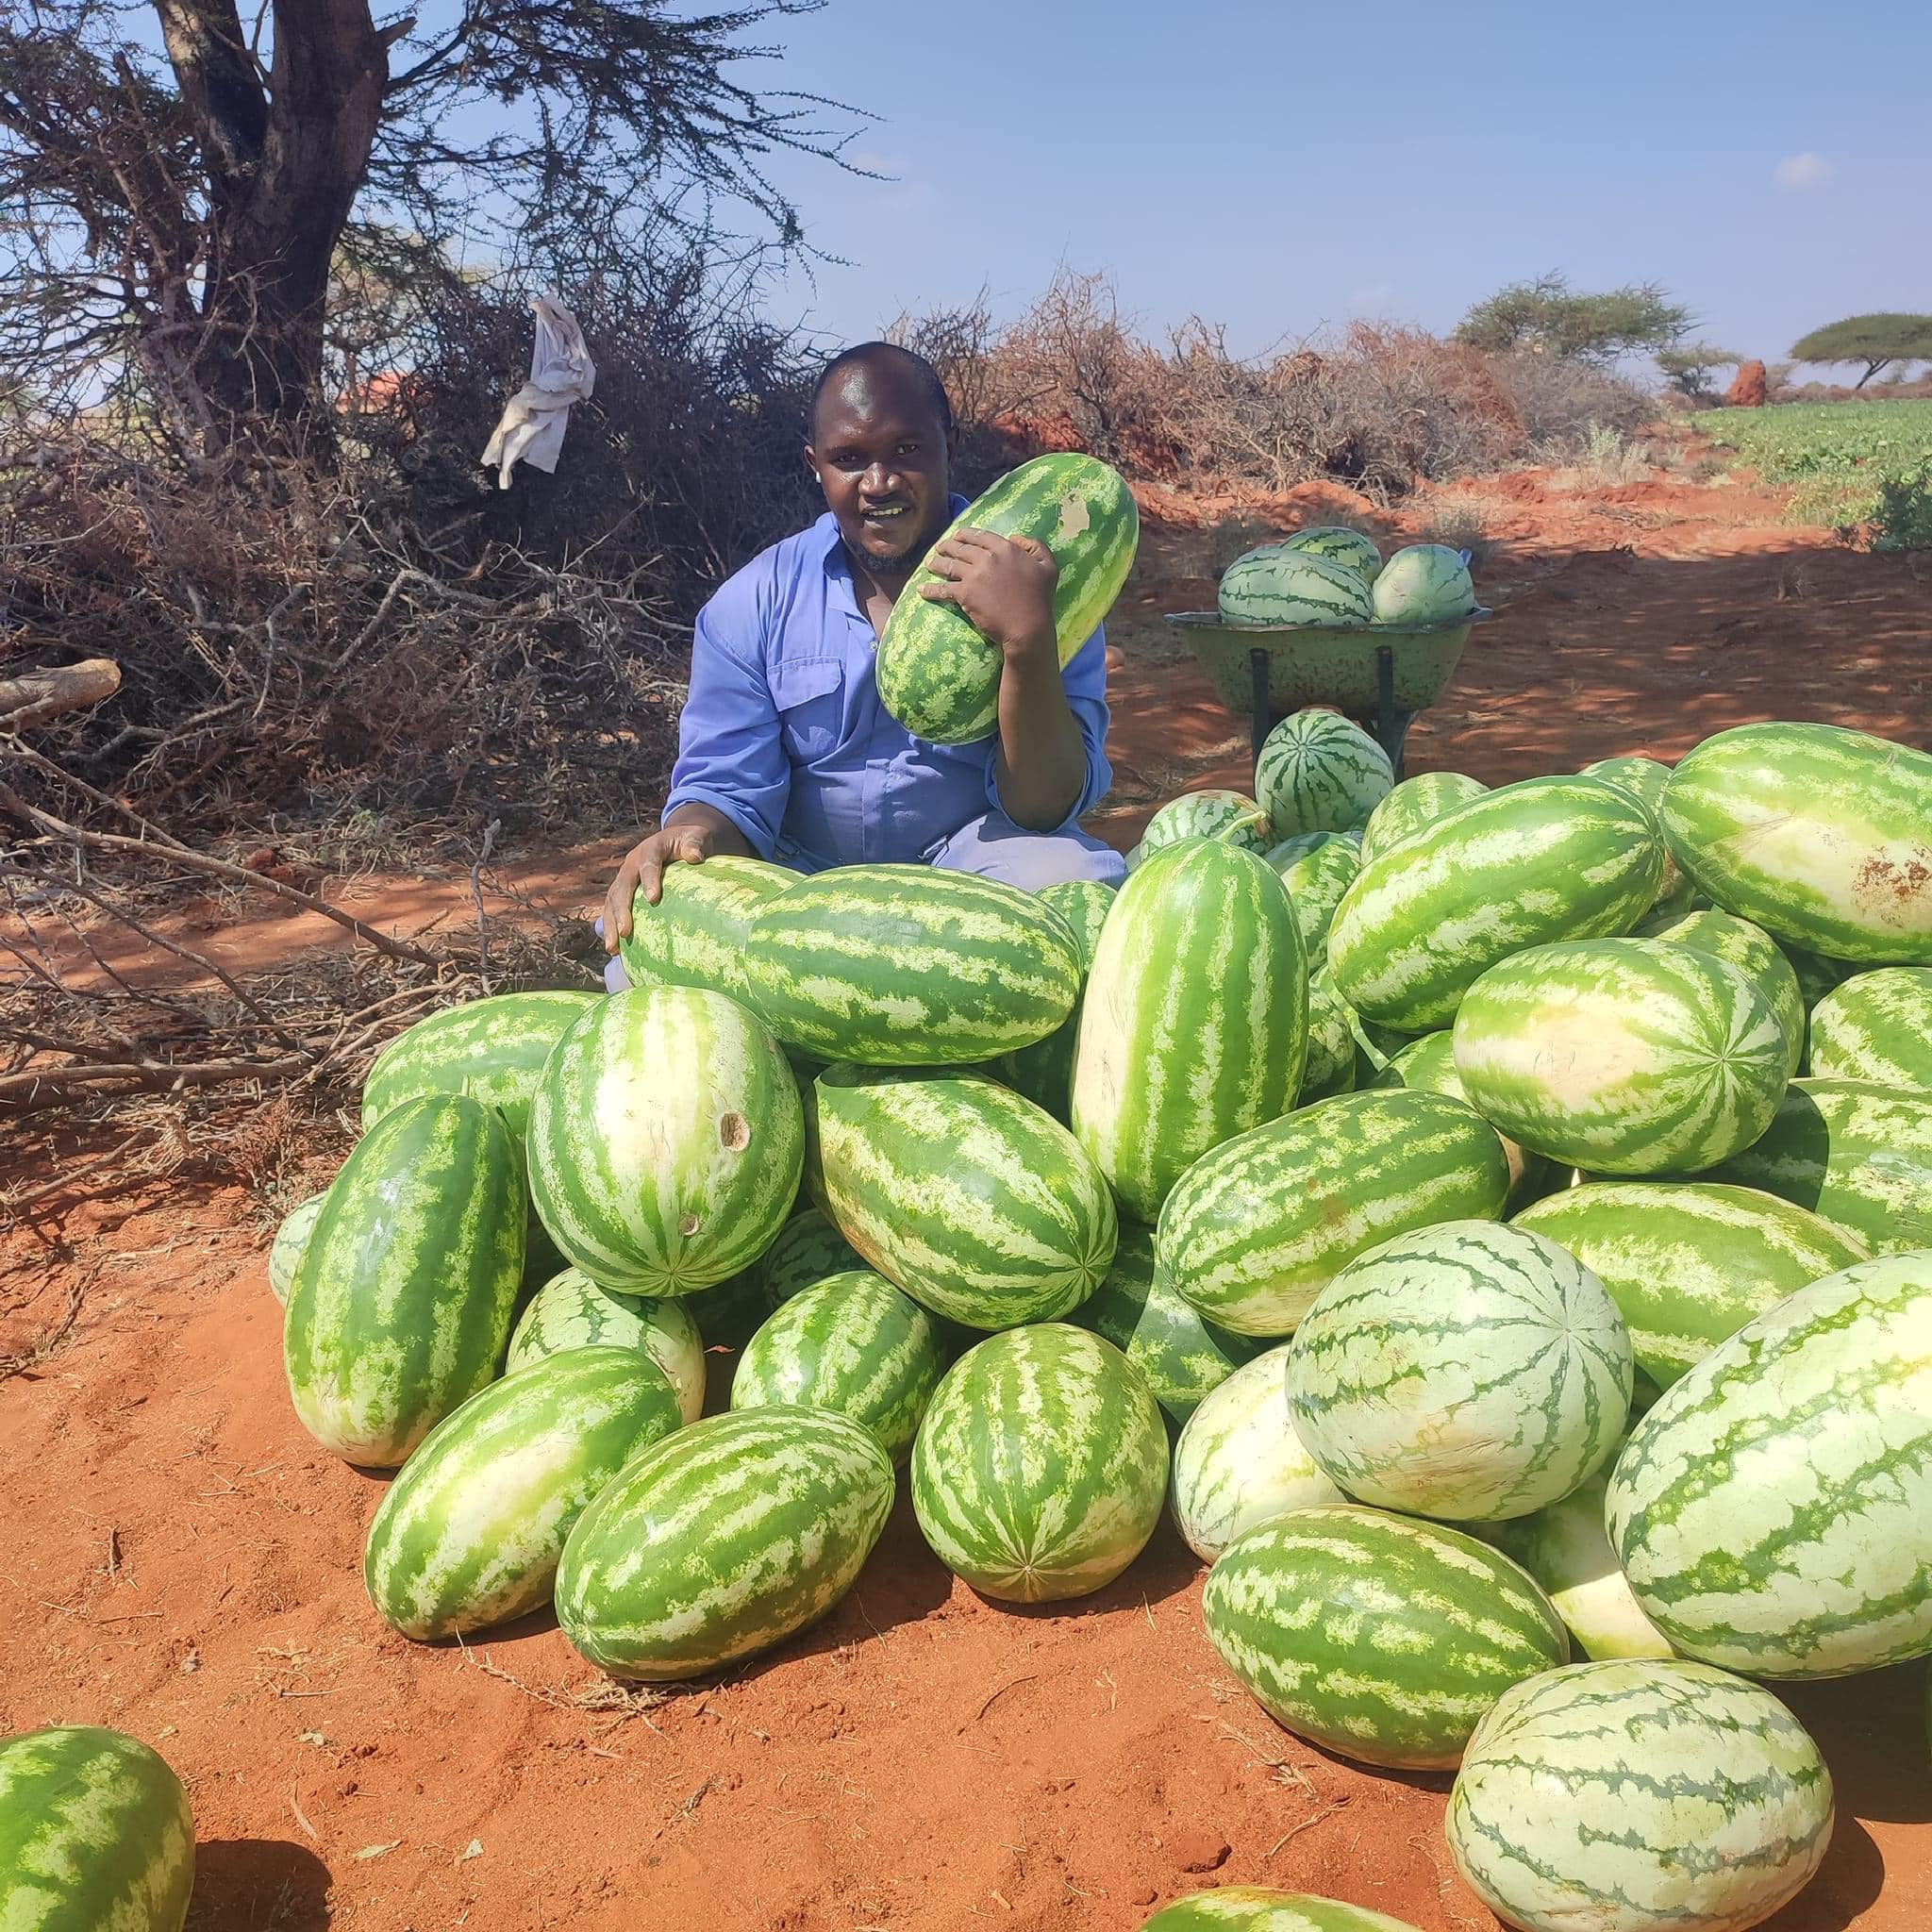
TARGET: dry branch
(36,696)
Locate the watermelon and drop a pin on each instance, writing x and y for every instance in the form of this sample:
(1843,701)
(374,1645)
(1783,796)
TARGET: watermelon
(95,1834)
(1317,867)
(1428,1066)
(1687,1264)
(696,933)
(492,1049)
(292,1238)
(1644,777)
(1414,804)
(1754,954)
(1182,1356)
(1820,835)
(666,1141)
(1341,545)
(853,1344)
(571,1311)
(1423,584)
(1856,1154)
(1258,1908)
(980,1206)
(1238,1461)
(1274,584)
(893,965)
(1232,817)
(1319,772)
(1549,858)
(1259,1226)
(1040,1467)
(1774,1511)
(1044,1070)
(1194,1026)
(1330,1066)
(469,1533)
(1621,1056)
(807,1250)
(1565,1546)
(1383,1637)
(1375,1046)
(1465,1371)
(401,1306)
(1817,974)
(722,1540)
(1876,1026)
(1639,1794)
(938,675)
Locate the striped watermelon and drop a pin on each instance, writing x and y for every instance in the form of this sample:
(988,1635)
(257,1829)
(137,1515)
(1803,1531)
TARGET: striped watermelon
(1044,1070)
(1414,804)
(1376,1047)
(1342,545)
(1565,1546)
(95,1834)
(469,1533)
(1238,1461)
(1196,1022)
(971,1199)
(1820,835)
(1644,777)
(1856,1154)
(1623,1057)
(1634,1795)
(1754,954)
(1549,858)
(807,1250)
(722,1540)
(1040,1465)
(1428,1066)
(1232,817)
(1876,1026)
(696,933)
(401,1308)
(492,1049)
(1330,1066)
(666,1141)
(1317,867)
(571,1311)
(1182,1356)
(1319,772)
(938,675)
(1259,1226)
(1774,1511)
(1277,584)
(291,1240)
(1257,1908)
(1383,1637)
(1467,1371)
(895,964)
(1688,1265)
(853,1344)
(1423,584)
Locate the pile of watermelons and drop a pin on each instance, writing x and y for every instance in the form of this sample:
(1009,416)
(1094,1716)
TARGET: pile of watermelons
(1497,1224)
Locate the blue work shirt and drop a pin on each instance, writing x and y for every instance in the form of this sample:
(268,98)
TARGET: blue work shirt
(784,733)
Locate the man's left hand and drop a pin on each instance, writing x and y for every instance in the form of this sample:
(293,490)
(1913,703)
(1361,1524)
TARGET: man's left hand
(1004,587)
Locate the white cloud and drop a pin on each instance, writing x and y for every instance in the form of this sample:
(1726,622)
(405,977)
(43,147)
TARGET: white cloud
(1796,173)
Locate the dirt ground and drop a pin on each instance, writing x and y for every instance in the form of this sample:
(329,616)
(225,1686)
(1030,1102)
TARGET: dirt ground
(186,1564)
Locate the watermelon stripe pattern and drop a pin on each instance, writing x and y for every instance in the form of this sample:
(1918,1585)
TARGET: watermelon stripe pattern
(1044,1070)
(291,1240)
(805,1251)
(1774,1510)
(1258,1908)
(1231,817)
(95,1831)
(1631,1795)
(1195,1024)
(666,1141)
(1876,1026)
(1339,544)
(1276,583)
(1383,1637)
(1317,867)
(877,963)
(1428,1066)
(722,1540)
(1414,804)
(1260,1226)
(1318,772)
(1546,859)
(937,674)
(1754,954)
(469,1533)
(1820,835)
(1329,1068)
(696,933)
(570,1310)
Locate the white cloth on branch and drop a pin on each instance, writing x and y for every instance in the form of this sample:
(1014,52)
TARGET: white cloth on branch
(531,427)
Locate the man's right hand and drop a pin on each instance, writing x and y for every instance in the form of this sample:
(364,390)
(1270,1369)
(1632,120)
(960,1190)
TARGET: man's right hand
(696,834)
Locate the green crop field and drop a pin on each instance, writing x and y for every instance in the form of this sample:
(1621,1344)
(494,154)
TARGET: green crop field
(1851,462)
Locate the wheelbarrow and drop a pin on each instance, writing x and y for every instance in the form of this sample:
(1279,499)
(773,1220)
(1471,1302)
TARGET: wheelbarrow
(1381,675)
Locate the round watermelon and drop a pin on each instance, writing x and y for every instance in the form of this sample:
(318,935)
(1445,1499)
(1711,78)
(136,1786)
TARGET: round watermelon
(1044,1070)
(1273,584)
(1318,772)
(1230,817)
(1423,583)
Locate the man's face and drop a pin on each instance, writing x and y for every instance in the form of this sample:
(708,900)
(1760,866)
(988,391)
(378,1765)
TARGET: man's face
(882,459)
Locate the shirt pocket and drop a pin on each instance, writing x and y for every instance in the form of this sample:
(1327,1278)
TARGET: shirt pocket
(809,695)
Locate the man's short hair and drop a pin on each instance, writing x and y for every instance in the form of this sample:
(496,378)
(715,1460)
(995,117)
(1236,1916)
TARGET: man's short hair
(916,366)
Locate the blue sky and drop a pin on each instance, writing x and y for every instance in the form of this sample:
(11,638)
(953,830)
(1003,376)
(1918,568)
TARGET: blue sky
(1281,167)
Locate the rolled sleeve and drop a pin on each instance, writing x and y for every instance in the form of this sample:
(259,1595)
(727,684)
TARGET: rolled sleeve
(729,753)
(1085,678)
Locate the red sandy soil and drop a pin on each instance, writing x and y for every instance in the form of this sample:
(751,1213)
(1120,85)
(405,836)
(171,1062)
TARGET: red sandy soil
(187,1565)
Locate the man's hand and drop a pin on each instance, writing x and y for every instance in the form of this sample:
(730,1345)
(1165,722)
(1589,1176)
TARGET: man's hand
(1004,587)
(695,834)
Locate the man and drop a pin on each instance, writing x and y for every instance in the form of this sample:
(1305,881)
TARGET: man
(785,751)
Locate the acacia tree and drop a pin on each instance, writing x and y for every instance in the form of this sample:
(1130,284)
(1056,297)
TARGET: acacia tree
(174,204)
(1876,340)
(1688,368)
(1549,317)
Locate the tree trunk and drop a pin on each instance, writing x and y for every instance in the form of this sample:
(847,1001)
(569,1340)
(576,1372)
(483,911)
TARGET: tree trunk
(1871,369)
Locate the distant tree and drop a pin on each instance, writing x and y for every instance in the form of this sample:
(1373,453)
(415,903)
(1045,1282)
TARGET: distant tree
(1688,367)
(1875,340)
(1550,318)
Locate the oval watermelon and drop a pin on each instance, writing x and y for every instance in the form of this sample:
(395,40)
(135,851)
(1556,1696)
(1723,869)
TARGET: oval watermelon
(570,1310)
(1423,583)
(696,933)
(1318,772)
(1428,1066)
(1754,954)
(1317,867)
(1414,804)
(1044,1070)
(1330,1067)
(1257,1908)
(1876,1026)
(1276,583)
(1344,545)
